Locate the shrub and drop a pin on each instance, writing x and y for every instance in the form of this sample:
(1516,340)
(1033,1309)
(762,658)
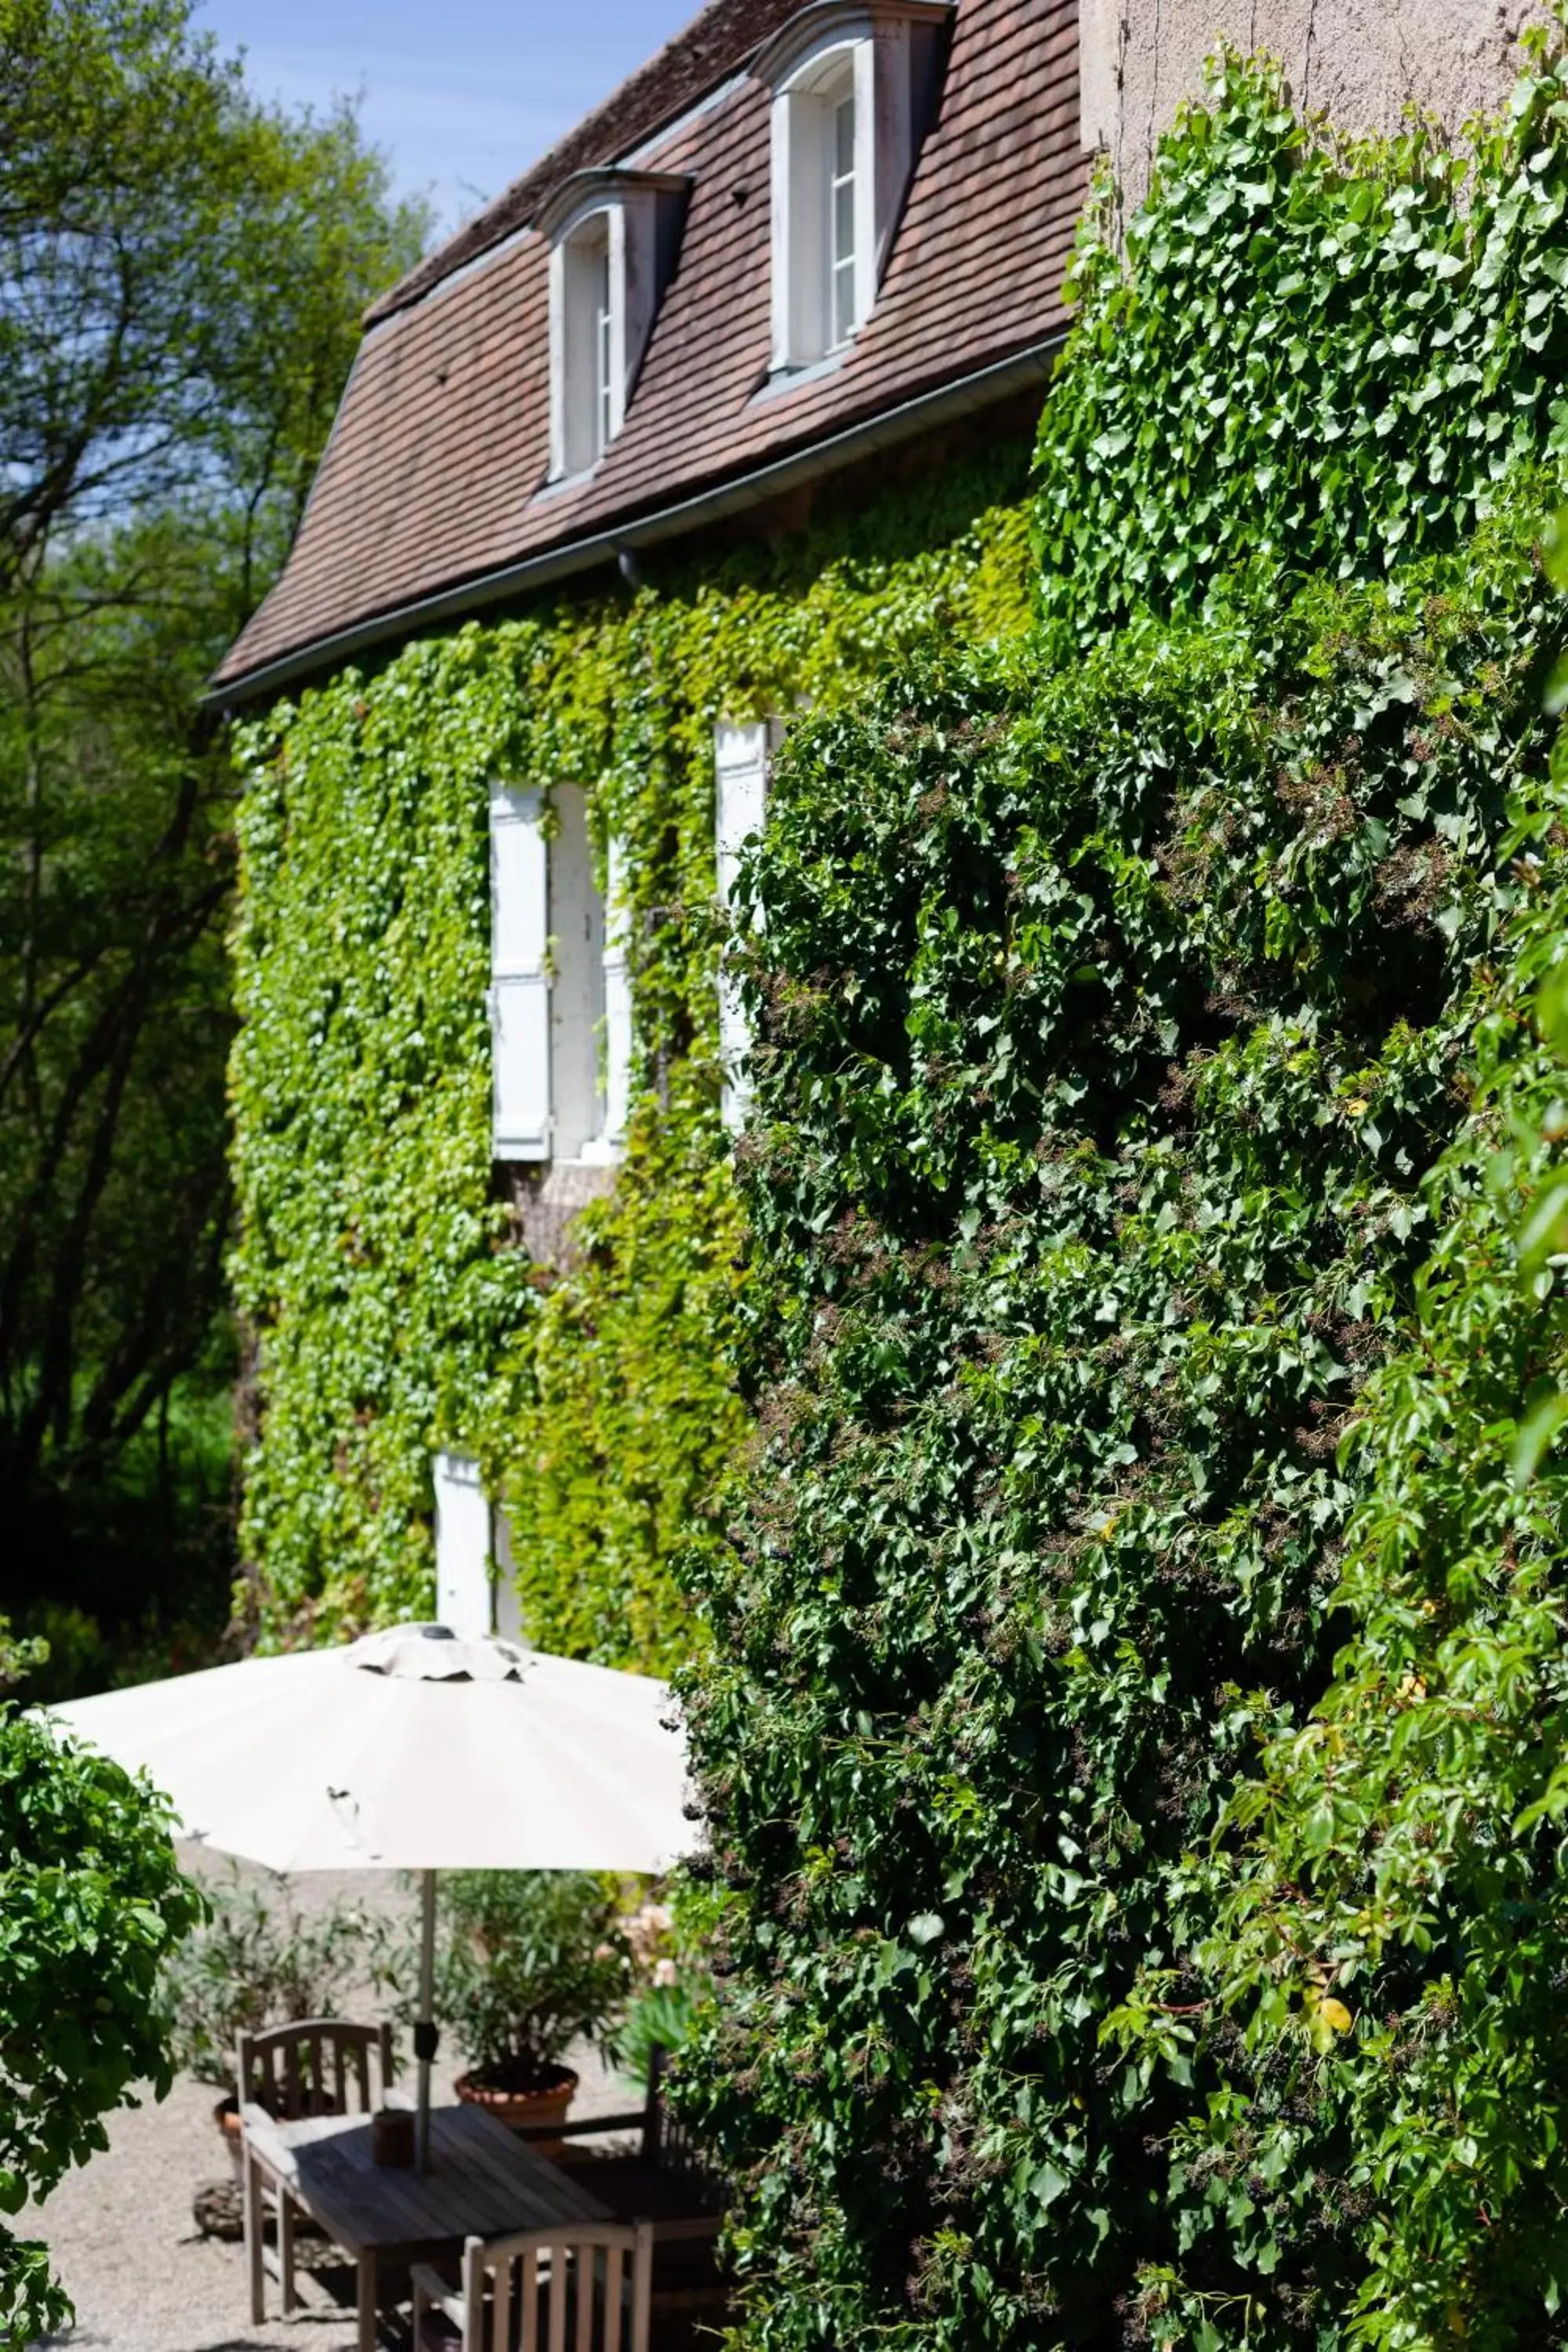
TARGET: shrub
(262,1959)
(91,1902)
(527,1961)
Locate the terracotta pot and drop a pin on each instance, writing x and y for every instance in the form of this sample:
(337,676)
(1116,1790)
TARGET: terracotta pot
(523,2109)
(226,2115)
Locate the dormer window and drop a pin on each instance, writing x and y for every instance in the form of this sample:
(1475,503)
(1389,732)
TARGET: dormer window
(854,89)
(614,236)
(589,417)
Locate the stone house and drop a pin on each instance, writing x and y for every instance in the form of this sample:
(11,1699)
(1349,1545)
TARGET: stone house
(809,260)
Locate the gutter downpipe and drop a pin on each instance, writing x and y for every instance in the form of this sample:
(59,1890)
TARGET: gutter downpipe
(840,449)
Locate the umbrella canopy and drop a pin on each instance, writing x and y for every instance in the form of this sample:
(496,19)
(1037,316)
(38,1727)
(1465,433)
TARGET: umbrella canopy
(409,1750)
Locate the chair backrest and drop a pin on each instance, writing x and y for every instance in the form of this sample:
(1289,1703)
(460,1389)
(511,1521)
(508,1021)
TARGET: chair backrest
(585,2286)
(313,2066)
(665,2139)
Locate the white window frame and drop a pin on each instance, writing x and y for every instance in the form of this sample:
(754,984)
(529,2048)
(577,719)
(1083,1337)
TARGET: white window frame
(806,258)
(465,1546)
(576,981)
(613,237)
(587,341)
(559,997)
(882,56)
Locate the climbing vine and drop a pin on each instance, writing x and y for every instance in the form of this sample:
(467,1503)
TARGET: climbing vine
(1373,335)
(1132,1730)
(393,1307)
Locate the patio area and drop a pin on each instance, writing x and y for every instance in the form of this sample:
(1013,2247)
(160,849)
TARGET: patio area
(144,2277)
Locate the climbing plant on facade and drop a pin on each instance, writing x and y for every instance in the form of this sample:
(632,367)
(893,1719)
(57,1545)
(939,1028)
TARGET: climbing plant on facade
(393,1308)
(1149,1110)
(1372,336)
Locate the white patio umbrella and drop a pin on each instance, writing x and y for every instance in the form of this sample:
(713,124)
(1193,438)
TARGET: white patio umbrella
(410,1749)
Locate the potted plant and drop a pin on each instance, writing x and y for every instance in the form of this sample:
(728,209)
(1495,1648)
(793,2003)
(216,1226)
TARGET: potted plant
(260,1961)
(526,1962)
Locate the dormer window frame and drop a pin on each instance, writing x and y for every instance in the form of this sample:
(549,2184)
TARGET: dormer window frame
(614,236)
(874,65)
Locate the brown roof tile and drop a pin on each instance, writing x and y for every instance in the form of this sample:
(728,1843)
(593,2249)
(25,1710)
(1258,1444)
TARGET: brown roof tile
(436,470)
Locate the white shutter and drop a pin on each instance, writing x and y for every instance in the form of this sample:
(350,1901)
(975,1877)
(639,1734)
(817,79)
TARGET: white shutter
(577,980)
(463,1597)
(519,986)
(741,781)
(617,998)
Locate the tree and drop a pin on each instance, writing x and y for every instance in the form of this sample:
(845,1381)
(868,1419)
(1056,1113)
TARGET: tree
(181,273)
(92,1901)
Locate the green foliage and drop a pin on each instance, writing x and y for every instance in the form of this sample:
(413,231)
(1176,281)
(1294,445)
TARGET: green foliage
(92,1901)
(526,1962)
(19,1657)
(261,1957)
(181,273)
(634,1407)
(1159,1215)
(1320,355)
(1111,1045)
(395,1309)
(660,2017)
(1397,1937)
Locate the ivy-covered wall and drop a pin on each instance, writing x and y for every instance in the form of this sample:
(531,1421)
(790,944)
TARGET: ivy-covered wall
(1132,1732)
(393,1307)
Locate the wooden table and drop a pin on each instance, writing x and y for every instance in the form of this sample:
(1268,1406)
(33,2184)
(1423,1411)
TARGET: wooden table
(482,2182)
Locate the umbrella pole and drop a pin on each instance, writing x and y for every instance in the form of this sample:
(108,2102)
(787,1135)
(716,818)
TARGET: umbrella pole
(425,2031)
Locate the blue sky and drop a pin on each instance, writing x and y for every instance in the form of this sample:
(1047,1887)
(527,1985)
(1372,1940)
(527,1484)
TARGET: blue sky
(461,96)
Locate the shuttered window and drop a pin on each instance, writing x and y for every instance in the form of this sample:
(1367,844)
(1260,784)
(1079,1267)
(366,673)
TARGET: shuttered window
(519,985)
(740,779)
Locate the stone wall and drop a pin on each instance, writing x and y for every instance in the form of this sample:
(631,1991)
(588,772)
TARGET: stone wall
(1359,60)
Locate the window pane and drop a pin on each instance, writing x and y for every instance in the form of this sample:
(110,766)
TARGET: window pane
(844,137)
(602,356)
(841,222)
(844,302)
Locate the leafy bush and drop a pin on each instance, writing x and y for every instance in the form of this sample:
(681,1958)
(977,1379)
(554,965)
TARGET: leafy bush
(261,1958)
(526,1962)
(1395,1941)
(660,2017)
(91,1902)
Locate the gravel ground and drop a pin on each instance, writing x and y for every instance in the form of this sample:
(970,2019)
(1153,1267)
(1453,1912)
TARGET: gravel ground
(141,2275)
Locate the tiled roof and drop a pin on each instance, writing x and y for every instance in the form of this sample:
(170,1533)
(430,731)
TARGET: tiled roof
(435,474)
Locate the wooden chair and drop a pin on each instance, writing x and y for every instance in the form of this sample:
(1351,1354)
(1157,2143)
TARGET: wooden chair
(662,2190)
(314,2066)
(540,2290)
(665,2145)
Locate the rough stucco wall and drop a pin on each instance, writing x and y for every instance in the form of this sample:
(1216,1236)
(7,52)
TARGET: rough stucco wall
(1358,60)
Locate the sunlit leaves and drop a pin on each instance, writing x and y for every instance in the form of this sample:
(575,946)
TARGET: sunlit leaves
(90,1903)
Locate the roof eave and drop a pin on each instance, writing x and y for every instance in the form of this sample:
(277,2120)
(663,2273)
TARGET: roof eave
(466,598)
